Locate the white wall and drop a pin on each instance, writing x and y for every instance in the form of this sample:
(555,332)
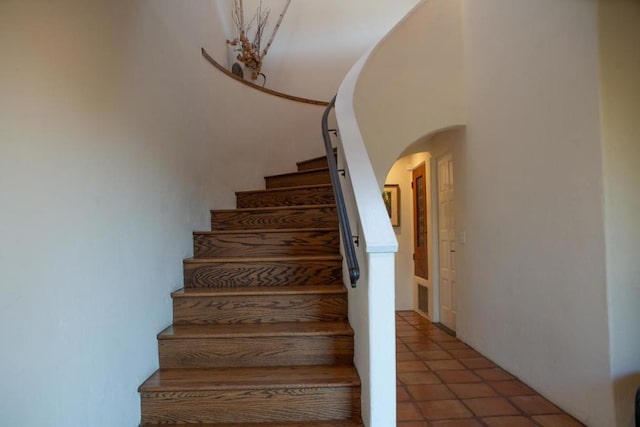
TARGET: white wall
(620,106)
(116,138)
(535,241)
(101,176)
(422,55)
(533,267)
(320,40)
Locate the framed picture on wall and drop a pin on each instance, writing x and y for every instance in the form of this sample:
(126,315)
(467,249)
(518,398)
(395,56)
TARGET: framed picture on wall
(391,198)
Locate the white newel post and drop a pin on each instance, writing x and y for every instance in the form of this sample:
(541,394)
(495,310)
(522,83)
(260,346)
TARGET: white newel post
(382,339)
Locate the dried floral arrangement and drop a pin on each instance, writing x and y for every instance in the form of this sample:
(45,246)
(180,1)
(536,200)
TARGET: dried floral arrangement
(249,48)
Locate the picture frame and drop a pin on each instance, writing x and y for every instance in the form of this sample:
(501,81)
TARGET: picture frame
(391,199)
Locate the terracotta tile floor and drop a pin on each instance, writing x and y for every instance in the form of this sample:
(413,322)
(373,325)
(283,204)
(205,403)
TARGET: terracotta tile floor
(444,382)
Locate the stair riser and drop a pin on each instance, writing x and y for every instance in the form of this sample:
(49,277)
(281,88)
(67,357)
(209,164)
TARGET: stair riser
(244,406)
(334,423)
(260,244)
(288,197)
(255,351)
(325,217)
(241,274)
(259,309)
(302,178)
(318,163)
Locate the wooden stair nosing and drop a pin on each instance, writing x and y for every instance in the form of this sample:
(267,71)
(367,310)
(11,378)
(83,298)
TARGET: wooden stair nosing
(252,406)
(334,423)
(298,173)
(284,216)
(313,159)
(260,305)
(250,330)
(291,258)
(284,189)
(269,208)
(266,230)
(287,196)
(319,159)
(337,289)
(250,378)
(267,242)
(262,271)
(217,352)
(304,177)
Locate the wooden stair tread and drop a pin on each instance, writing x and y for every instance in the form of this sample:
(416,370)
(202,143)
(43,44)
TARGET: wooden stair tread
(272,208)
(260,334)
(324,156)
(247,330)
(265,230)
(315,175)
(283,216)
(241,271)
(282,189)
(334,423)
(298,173)
(315,159)
(260,291)
(251,378)
(264,259)
(291,194)
(261,304)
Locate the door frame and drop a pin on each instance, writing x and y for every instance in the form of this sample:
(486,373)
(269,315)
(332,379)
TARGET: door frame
(452,238)
(427,244)
(434,236)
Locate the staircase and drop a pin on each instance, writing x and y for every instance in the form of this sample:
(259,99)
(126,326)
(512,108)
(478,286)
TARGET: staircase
(260,336)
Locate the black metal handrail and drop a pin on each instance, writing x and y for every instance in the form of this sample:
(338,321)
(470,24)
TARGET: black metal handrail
(343,218)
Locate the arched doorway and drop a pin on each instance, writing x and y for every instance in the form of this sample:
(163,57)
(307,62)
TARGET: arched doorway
(429,244)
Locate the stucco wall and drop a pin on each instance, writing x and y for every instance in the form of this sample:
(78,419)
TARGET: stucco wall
(534,294)
(390,94)
(535,238)
(116,138)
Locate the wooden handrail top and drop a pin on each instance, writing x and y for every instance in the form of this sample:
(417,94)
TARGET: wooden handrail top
(260,88)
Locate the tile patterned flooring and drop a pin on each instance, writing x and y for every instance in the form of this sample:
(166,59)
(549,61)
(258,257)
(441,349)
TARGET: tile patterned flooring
(444,382)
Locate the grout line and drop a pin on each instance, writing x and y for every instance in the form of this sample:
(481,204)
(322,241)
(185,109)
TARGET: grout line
(416,330)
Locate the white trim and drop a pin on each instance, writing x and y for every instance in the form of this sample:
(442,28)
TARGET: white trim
(435,239)
(376,229)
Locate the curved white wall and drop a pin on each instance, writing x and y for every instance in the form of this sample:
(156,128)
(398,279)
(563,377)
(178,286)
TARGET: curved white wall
(523,77)
(371,304)
(413,82)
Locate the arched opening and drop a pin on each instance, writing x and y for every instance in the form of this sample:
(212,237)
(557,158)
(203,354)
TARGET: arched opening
(425,181)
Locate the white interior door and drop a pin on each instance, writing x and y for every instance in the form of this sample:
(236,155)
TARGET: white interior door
(447,242)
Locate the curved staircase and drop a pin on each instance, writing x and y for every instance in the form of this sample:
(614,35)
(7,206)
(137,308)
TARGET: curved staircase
(260,336)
